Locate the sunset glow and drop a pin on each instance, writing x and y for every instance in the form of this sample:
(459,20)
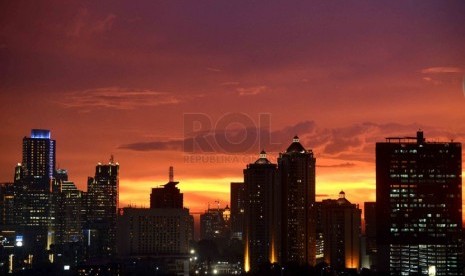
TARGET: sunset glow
(125,79)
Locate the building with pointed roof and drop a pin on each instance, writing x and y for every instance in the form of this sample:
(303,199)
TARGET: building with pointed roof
(296,169)
(260,235)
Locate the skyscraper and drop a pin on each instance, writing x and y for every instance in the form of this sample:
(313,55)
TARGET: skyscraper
(33,179)
(237,209)
(419,206)
(341,225)
(102,209)
(296,168)
(167,196)
(32,186)
(67,209)
(260,219)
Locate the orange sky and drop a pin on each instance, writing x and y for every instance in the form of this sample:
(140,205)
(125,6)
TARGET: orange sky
(113,77)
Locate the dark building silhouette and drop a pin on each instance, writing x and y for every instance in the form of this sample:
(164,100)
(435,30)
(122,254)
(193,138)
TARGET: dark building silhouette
(341,228)
(102,209)
(214,224)
(260,219)
(419,206)
(237,209)
(168,196)
(370,233)
(296,168)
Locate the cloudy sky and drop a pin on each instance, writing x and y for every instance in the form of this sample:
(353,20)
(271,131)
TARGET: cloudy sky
(136,80)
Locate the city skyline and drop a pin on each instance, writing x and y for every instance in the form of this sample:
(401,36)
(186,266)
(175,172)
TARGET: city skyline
(119,80)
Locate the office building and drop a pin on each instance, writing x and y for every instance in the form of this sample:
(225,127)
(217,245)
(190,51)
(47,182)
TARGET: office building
(153,231)
(6,204)
(419,206)
(32,190)
(296,167)
(102,209)
(260,219)
(341,225)
(237,209)
(33,179)
(67,208)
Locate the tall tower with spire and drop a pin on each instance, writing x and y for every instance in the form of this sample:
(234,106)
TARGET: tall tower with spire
(296,168)
(167,196)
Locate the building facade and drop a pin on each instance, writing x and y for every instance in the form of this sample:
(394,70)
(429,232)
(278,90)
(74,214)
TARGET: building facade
(32,194)
(102,210)
(296,168)
(237,201)
(153,231)
(341,228)
(419,198)
(260,219)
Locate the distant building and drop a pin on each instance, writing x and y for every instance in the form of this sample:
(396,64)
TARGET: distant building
(237,209)
(341,225)
(260,215)
(419,206)
(214,223)
(67,209)
(102,209)
(157,237)
(168,196)
(296,167)
(370,234)
(153,231)
(6,204)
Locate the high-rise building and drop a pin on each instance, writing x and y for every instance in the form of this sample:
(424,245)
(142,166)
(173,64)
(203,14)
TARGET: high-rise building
(6,204)
(296,167)
(67,209)
(214,223)
(237,209)
(260,235)
(33,179)
(67,220)
(102,210)
(370,234)
(167,196)
(32,189)
(341,225)
(419,206)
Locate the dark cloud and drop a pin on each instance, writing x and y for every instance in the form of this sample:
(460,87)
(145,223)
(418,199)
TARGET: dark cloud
(117,98)
(342,165)
(154,146)
(232,140)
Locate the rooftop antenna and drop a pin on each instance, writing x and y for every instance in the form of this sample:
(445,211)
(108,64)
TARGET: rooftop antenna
(171,174)
(111,159)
